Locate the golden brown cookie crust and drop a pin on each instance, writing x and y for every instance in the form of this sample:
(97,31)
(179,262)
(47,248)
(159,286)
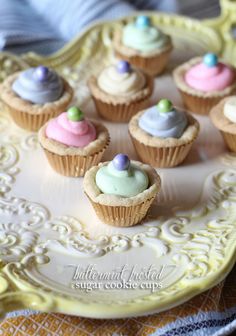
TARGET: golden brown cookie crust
(179,74)
(133,52)
(97,196)
(61,149)
(98,93)
(220,120)
(189,134)
(10,98)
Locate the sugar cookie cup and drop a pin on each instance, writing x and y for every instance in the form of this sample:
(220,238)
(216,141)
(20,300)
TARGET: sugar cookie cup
(34,96)
(120,91)
(163,135)
(129,189)
(223,117)
(143,45)
(73,144)
(203,82)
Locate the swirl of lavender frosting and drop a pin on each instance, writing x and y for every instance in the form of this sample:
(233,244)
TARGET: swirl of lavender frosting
(38,88)
(163,125)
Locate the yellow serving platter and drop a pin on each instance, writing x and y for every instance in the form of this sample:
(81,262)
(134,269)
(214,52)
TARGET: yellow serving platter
(48,227)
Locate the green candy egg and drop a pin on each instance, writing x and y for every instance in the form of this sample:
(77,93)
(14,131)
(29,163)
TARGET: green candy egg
(164,105)
(75,114)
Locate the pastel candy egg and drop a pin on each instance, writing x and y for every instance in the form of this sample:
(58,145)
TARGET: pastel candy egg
(164,105)
(142,21)
(210,60)
(75,114)
(41,73)
(123,67)
(121,162)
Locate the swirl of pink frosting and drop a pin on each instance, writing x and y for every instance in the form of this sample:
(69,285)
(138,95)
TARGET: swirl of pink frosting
(71,133)
(207,79)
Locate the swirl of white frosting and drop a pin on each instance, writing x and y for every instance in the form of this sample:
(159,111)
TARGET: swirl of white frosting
(121,84)
(230,109)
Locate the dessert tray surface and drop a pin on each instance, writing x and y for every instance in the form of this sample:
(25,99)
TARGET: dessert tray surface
(51,241)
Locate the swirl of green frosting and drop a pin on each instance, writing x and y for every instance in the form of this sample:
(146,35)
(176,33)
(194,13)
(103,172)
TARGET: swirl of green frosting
(145,39)
(127,183)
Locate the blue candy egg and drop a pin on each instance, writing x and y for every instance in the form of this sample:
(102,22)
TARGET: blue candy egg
(210,60)
(143,21)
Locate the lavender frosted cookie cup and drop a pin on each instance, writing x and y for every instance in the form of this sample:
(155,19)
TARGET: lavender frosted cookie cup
(32,99)
(163,135)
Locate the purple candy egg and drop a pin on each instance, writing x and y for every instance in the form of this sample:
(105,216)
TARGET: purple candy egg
(121,162)
(123,67)
(41,73)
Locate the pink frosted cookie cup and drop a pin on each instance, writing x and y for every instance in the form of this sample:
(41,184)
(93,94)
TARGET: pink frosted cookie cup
(203,82)
(73,144)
